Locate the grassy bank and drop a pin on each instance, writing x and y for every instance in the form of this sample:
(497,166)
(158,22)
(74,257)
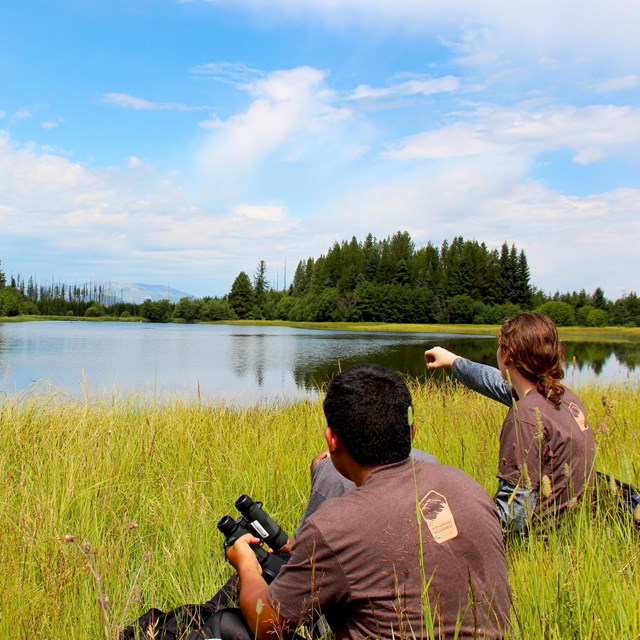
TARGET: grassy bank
(143,484)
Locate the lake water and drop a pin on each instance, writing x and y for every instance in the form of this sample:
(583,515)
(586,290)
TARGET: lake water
(243,364)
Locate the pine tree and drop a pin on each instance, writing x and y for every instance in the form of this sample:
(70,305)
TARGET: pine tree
(241,295)
(260,284)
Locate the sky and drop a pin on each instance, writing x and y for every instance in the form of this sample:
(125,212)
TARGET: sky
(179,142)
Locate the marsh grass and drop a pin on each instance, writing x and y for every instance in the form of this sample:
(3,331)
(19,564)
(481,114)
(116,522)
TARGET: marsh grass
(144,484)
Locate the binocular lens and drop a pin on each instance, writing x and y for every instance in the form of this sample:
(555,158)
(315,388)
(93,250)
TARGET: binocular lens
(243,503)
(227,526)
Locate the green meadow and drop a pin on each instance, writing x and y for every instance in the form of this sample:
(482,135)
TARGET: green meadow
(109,506)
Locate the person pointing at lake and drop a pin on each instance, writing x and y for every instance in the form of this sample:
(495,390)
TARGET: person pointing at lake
(547,449)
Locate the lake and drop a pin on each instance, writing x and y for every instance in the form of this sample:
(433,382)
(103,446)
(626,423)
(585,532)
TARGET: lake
(244,364)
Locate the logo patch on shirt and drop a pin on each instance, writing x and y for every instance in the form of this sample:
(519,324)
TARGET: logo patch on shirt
(578,416)
(437,514)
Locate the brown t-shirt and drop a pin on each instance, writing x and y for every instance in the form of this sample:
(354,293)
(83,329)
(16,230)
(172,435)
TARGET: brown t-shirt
(357,559)
(548,448)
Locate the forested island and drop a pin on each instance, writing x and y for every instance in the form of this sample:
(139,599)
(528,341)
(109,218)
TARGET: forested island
(389,281)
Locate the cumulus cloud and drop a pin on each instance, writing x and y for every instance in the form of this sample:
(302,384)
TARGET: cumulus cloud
(266,212)
(134,219)
(591,132)
(285,105)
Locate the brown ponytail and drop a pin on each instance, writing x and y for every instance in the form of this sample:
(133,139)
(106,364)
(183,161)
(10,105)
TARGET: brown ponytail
(530,343)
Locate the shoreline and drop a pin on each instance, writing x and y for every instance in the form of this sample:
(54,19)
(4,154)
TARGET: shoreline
(574,333)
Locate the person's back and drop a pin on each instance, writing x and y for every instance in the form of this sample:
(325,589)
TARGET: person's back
(555,445)
(365,559)
(416,539)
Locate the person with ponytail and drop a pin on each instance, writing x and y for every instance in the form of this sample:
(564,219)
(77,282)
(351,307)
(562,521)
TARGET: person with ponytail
(547,449)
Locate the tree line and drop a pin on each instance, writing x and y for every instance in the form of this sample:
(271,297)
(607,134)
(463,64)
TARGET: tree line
(389,280)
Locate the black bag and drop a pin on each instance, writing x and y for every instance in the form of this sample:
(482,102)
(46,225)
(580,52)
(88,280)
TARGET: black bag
(189,622)
(624,495)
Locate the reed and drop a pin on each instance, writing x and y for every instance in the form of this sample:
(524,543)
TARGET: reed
(109,506)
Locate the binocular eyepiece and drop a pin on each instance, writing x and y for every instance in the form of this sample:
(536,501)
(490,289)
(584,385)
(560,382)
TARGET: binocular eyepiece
(256,521)
(261,523)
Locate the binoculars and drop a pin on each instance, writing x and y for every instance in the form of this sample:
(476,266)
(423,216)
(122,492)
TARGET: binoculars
(256,521)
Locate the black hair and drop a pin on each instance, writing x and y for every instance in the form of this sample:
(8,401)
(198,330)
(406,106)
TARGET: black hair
(369,407)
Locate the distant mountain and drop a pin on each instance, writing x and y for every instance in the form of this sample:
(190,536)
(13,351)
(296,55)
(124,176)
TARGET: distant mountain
(139,292)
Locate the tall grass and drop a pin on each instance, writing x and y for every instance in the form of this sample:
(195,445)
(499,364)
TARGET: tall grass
(140,485)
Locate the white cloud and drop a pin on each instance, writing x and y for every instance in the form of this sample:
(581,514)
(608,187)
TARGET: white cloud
(265,212)
(141,104)
(52,124)
(234,73)
(533,29)
(616,84)
(287,105)
(129,223)
(20,114)
(411,87)
(592,132)
(455,141)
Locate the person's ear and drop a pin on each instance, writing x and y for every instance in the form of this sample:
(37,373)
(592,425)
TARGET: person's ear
(333,441)
(505,358)
(413,431)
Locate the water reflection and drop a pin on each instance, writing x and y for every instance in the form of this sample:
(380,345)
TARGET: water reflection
(244,364)
(586,361)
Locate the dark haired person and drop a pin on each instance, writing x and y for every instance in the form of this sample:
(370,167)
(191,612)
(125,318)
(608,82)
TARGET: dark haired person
(547,448)
(415,550)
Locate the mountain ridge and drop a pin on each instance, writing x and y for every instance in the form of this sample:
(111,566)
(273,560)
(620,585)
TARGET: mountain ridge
(138,292)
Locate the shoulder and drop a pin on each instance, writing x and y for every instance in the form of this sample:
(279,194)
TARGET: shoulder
(419,454)
(440,475)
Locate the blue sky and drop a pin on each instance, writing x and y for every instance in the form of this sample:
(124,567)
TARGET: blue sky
(179,142)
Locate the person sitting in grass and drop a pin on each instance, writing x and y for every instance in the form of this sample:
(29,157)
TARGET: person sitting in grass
(416,550)
(327,482)
(547,449)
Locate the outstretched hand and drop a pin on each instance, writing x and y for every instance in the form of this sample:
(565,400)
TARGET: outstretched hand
(438,358)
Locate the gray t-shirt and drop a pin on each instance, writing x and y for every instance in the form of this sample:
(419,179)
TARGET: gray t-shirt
(358,559)
(327,482)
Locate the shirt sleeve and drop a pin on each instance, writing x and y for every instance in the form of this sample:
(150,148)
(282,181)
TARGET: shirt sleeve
(310,582)
(482,378)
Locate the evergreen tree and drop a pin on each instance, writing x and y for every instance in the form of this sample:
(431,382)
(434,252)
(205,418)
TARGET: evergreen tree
(241,295)
(3,278)
(260,286)
(523,286)
(370,258)
(598,300)
(301,279)
(508,275)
